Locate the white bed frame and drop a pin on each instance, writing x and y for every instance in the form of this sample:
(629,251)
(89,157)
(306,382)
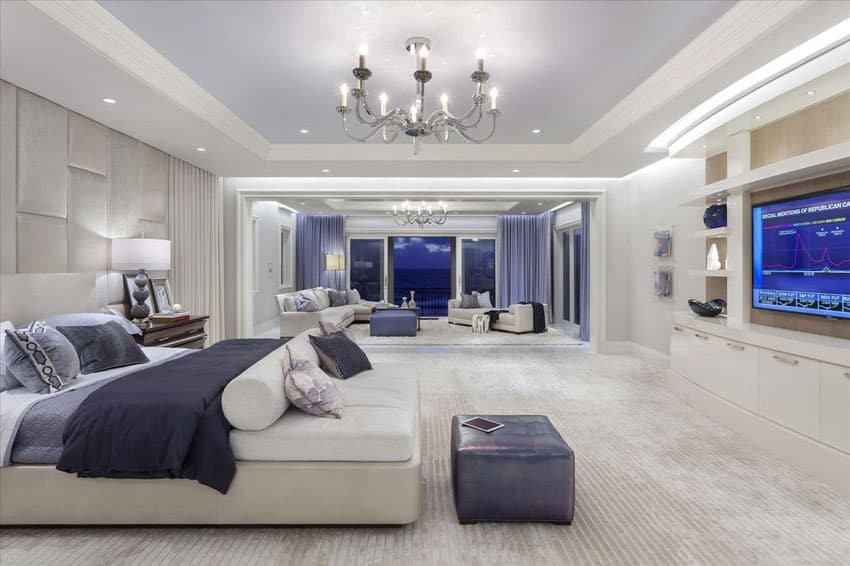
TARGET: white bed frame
(280,493)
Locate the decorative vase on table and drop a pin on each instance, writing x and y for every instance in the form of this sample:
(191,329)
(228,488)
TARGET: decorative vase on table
(412,303)
(404,303)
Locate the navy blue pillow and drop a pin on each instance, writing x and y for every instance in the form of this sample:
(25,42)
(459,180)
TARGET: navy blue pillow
(103,347)
(340,356)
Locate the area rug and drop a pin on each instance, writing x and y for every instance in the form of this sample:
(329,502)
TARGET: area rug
(656,483)
(440,333)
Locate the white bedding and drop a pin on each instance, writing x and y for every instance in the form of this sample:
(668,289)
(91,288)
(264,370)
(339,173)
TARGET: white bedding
(14,403)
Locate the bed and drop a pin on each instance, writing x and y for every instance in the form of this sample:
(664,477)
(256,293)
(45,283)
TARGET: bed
(262,491)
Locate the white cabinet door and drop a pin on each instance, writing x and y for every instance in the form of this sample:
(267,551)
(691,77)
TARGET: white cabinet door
(679,349)
(835,406)
(736,373)
(789,391)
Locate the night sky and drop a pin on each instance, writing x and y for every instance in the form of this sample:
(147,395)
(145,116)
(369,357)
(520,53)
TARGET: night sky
(422,253)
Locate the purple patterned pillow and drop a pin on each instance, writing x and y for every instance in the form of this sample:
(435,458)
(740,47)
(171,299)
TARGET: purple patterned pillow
(311,390)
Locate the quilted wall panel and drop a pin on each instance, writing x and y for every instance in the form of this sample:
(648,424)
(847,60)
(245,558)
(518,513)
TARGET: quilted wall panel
(87,144)
(42,156)
(153,183)
(87,243)
(8,175)
(124,194)
(42,244)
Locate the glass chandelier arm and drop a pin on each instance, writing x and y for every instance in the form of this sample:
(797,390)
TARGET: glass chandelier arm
(467,137)
(371,134)
(459,125)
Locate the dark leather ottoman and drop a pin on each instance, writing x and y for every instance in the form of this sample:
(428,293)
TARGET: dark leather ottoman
(522,472)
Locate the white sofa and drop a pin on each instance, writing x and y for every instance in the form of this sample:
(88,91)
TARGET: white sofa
(293,322)
(519,319)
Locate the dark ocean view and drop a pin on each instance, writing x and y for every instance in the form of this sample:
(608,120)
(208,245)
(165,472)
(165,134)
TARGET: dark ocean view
(432,286)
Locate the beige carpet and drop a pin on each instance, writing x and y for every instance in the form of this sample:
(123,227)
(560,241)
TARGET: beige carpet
(440,333)
(657,483)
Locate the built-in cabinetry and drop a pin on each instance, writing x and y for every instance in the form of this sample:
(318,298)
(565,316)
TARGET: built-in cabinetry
(786,390)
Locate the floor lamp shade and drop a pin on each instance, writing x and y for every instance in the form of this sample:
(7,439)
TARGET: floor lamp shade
(129,254)
(334,262)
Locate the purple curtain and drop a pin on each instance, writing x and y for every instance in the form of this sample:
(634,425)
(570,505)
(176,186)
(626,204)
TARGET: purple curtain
(584,273)
(523,244)
(316,237)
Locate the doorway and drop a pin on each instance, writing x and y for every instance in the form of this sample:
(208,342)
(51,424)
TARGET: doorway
(425,266)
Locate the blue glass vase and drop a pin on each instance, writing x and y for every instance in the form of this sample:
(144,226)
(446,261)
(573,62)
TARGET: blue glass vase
(715,216)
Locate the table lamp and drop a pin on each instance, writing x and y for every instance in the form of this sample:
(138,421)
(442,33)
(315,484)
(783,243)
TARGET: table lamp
(130,254)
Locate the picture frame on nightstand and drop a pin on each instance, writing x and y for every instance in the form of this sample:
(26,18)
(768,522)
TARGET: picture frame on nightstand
(161,291)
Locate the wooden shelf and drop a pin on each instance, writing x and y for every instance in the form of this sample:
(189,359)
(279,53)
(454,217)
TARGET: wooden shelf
(709,272)
(798,168)
(711,233)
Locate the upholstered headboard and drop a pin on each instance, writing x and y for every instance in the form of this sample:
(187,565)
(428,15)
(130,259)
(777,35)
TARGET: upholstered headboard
(30,296)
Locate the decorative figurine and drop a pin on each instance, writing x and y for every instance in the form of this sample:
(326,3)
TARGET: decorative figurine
(412,303)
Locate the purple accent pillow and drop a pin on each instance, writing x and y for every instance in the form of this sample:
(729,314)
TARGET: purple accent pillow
(303,304)
(311,390)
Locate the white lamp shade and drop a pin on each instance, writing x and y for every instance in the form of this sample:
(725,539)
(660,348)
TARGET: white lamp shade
(334,262)
(129,254)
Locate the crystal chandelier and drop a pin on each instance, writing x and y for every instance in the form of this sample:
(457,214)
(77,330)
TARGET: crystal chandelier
(423,214)
(390,123)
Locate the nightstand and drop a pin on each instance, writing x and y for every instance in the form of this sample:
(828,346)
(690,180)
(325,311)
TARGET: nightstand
(188,333)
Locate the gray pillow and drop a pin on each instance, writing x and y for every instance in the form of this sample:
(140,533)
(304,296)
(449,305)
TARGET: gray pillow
(340,356)
(311,390)
(353,296)
(483,299)
(7,380)
(303,304)
(40,358)
(92,319)
(338,298)
(104,347)
(468,301)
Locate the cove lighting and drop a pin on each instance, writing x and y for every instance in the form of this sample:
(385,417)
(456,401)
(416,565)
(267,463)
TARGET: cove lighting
(790,60)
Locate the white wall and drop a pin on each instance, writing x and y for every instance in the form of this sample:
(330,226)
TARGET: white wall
(649,203)
(270,217)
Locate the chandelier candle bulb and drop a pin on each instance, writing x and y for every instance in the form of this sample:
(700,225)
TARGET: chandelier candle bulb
(423,58)
(444,99)
(413,113)
(383,98)
(343,95)
(362,59)
(480,54)
(493,95)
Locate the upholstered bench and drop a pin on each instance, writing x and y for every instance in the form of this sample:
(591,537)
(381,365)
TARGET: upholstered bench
(393,322)
(522,472)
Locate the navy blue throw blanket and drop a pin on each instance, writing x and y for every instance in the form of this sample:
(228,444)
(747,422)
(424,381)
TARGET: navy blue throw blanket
(539,316)
(162,422)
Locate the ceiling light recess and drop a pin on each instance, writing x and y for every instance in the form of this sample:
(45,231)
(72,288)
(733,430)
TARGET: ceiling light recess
(785,63)
(201,149)
(110,100)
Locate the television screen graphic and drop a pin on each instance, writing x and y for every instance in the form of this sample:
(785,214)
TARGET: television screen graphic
(801,255)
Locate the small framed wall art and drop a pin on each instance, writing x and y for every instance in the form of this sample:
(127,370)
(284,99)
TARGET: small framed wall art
(663,243)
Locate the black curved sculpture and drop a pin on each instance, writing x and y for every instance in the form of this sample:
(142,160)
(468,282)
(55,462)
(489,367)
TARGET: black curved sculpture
(711,308)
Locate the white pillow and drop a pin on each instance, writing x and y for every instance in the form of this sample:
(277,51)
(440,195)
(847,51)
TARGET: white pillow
(353,296)
(255,399)
(7,381)
(300,349)
(289,304)
(483,299)
(322,298)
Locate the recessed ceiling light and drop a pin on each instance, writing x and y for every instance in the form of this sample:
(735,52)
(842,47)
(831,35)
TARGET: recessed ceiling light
(539,204)
(757,117)
(810,92)
(326,170)
(201,149)
(514,170)
(302,203)
(305,131)
(386,212)
(110,100)
(454,212)
(535,131)
(523,212)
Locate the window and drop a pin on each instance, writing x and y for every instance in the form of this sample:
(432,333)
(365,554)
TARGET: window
(479,266)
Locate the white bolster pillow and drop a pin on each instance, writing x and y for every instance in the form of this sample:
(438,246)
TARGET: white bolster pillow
(254,400)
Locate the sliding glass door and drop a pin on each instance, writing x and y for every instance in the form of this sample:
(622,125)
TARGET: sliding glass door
(367,268)
(423,265)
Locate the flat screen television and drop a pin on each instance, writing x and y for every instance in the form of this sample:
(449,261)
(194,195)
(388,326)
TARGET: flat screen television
(801,254)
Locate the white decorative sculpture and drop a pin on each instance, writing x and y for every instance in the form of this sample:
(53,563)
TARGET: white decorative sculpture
(712,263)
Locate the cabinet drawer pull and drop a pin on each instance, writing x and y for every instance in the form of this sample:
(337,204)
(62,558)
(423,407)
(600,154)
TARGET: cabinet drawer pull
(194,331)
(784,360)
(734,346)
(163,339)
(701,336)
